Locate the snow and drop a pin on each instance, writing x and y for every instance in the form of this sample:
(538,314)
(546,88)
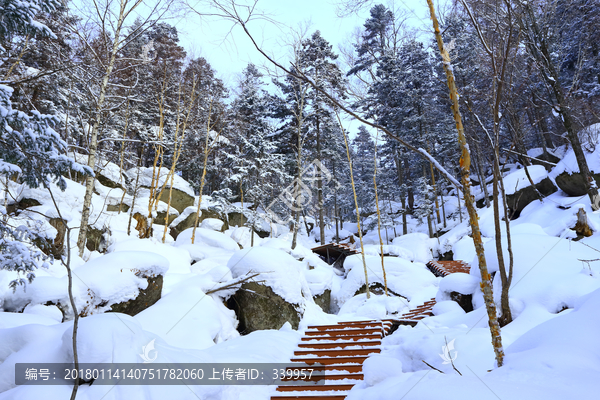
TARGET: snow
(378,368)
(552,351)
(568,163)
(459,282)
(147,174)
(279,270)
(409,279)
(212,224)
(418,244)
(518,180)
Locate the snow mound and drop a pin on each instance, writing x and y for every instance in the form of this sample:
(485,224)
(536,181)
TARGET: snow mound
(213,224)
(569,163)
(207,237)
(106,280)
(518,180)
(418,244)
(378,368)
(409,279)
(279,270)
(146,176)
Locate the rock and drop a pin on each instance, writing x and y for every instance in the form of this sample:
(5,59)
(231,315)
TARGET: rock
(187,223)
(323,300)
(574,184)
(516,202)
(465,301)
(376,288)
(96,239)
(236,219)
(161,215)
(108,182)
(546,156)
(115,207)
(179,199)
(26,203)
(144,299)
(258,307)
(206,215)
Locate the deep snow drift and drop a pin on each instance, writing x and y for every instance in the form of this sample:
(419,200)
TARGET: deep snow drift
(552,350)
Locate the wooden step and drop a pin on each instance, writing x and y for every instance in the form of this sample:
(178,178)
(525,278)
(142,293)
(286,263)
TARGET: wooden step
(336,377)
(361,323)
(330,360)
(311,388)
(360,337)
(338,353)
(338,326)
(341,344)
(345,332)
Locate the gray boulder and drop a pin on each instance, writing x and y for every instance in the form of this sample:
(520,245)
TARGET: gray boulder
(257,307)
(517,201)
(574,184)
(144,299)
(323,300)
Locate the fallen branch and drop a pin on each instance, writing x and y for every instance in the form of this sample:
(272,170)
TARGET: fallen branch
(432,367)
(233,284)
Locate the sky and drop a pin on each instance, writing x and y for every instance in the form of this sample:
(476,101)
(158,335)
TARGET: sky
(229,50)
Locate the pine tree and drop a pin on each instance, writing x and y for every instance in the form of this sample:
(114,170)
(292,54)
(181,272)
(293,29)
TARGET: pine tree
(31,151)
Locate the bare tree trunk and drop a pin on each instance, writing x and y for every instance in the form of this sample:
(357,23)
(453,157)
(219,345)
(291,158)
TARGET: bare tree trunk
(90,180)
(538,47)
(320,184)
(362,249)
(465,162)
(379,216)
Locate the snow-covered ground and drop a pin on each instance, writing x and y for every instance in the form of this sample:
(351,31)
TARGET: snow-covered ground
(552,351)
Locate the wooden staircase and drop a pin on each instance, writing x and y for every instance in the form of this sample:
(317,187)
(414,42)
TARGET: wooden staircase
(338,351)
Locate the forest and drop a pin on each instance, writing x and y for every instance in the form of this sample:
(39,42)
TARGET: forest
(473,128)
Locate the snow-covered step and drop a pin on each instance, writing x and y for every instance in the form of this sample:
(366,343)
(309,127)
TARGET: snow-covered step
(333,345)
(344,338)
(345,332)
(315,388)
(371,325)
(338,353)
(330,360)
(310,397)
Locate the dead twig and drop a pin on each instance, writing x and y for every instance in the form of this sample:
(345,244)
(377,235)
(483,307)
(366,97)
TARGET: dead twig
(233,284)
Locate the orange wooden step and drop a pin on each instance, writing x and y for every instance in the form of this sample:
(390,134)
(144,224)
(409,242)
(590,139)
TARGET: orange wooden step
(360,337)
(339,325)
(341,344)
(320,376)
(311,388)
(338,353)
(330,360)
(344,332)
(360,323)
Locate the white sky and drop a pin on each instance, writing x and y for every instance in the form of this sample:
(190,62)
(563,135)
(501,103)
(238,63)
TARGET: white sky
(228,55)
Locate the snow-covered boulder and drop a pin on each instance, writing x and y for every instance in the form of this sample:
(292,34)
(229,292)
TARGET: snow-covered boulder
(520,192)
(180,192)
(411,280)
(107,173)
(566,173)
(280,295)
(458,287)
